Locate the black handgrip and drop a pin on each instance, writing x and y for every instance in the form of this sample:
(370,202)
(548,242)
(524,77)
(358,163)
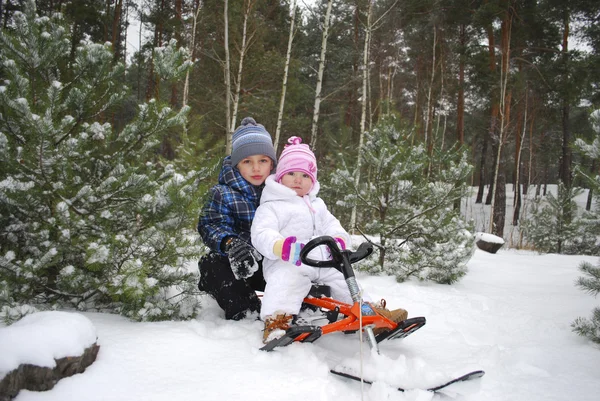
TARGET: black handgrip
(364,250)
(336,253)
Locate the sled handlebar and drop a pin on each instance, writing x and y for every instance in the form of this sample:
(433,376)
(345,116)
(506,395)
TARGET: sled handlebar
(338,256)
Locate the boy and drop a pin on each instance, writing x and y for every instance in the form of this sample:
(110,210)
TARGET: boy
(232,270)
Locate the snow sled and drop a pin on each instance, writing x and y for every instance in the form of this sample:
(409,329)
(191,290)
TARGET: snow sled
(346,318)
(343,317)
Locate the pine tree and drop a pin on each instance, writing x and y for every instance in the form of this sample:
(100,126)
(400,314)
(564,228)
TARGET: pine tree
(591,284)
(421,233)
(548,228)
(90,217)
(551,230)
(590,328)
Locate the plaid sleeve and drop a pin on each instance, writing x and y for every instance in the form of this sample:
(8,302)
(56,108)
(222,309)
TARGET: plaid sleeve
(216,219)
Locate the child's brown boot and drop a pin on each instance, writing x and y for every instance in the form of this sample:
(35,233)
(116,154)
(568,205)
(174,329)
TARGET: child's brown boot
(396,315)
(275,326)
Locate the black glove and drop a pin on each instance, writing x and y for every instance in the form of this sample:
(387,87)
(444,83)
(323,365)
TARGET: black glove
(243,258)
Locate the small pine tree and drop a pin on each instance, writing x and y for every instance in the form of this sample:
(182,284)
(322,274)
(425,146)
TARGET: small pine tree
(590,283)
(90,218)
(548,228)
(589,328)
(421,234)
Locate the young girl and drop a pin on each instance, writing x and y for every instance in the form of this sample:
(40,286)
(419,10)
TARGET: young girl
(289,215)
(232,271)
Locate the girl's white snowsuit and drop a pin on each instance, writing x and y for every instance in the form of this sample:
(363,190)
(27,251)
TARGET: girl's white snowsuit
(282,213)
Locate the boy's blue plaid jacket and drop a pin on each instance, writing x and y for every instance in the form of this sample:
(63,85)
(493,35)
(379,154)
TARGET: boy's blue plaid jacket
(230,208)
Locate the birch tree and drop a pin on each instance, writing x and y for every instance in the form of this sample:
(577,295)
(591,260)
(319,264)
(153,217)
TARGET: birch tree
(365,93)
(363,114)
(317,106)
(246,41)
(186,85)
(498,195)
(285,74)
(227,78)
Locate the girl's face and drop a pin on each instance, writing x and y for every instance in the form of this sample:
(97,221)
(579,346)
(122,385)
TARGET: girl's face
(298,181)
(255,169)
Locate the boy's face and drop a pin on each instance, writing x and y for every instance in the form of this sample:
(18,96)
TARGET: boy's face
(298,181)
(255,169)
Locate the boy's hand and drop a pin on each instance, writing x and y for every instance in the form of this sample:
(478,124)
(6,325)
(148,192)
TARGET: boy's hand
(288,250)
(243,258)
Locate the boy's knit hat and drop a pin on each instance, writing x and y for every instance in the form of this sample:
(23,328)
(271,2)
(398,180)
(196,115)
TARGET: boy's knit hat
(296,156)
(251,139)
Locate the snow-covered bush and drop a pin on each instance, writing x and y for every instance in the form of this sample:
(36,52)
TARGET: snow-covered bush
(589,328)
(590,283)
(553,226)
(90,217)
(408,199)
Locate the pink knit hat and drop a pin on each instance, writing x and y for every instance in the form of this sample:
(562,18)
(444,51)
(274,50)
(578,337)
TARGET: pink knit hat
(296,157)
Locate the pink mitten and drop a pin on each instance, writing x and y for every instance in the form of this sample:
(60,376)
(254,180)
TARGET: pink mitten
(341,243)
(288,250)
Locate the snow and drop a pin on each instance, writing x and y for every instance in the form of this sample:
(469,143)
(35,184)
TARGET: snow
(42,337)
(490,238)
(510,316)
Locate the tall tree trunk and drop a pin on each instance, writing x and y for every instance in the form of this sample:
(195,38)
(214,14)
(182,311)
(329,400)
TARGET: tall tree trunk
(565,167)
(106,20)
(153,79)
(186,84)
(317,106)
(518,149)
(363,116)
(499,200)
(179,39)
(482,175)
(590,197)
(494,110)
(288,56)
(227,79)
(350,118)
(460,102)
(429,116)
(139,64)
(418,119)
(116,30)
(246,40)
(527,182)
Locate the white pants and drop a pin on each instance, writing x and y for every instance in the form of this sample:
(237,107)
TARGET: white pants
(288,284)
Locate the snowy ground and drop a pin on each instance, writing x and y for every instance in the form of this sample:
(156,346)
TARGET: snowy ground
(510,316)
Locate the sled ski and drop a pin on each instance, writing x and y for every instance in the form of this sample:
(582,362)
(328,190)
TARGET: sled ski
(466,377)
(305,334)
(403,330)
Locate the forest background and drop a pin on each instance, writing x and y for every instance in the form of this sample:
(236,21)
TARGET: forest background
(407,104)
(513,81)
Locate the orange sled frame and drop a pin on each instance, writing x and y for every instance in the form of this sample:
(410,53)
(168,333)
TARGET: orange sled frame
(359,315)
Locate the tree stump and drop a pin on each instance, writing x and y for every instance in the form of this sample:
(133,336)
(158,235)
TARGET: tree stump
(37,378)
(488,242)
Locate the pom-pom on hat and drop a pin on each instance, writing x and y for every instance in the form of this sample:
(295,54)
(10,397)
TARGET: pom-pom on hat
(296,156)
(251,139)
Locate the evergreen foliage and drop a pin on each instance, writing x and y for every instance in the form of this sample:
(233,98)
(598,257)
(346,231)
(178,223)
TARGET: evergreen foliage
(591,281)
(90,218)
(408,200)
(589,328)
(549,228)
